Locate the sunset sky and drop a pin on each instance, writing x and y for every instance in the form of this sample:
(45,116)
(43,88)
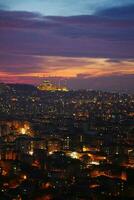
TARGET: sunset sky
(88,43)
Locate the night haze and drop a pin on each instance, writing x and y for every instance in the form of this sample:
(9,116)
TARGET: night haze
(90,44)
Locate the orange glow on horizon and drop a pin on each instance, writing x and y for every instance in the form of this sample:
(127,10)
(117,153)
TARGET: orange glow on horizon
(69,67)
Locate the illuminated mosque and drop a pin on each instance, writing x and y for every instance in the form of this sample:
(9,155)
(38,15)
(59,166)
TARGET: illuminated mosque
(48,86)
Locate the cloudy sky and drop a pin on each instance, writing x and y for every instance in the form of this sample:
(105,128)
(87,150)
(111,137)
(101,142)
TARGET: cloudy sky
(88,43)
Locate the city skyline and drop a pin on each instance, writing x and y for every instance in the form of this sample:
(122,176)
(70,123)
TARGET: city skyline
(90,44)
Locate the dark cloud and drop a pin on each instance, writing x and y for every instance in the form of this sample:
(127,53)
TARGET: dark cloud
(114,60)
(5,14)
(124,12)
(90,36)
(18,63)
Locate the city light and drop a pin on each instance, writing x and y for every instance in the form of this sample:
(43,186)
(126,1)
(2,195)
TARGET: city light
(31,152)
(23,131)
(74,155)
(57,150)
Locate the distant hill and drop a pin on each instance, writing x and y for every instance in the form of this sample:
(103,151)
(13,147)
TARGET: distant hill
(22,87)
